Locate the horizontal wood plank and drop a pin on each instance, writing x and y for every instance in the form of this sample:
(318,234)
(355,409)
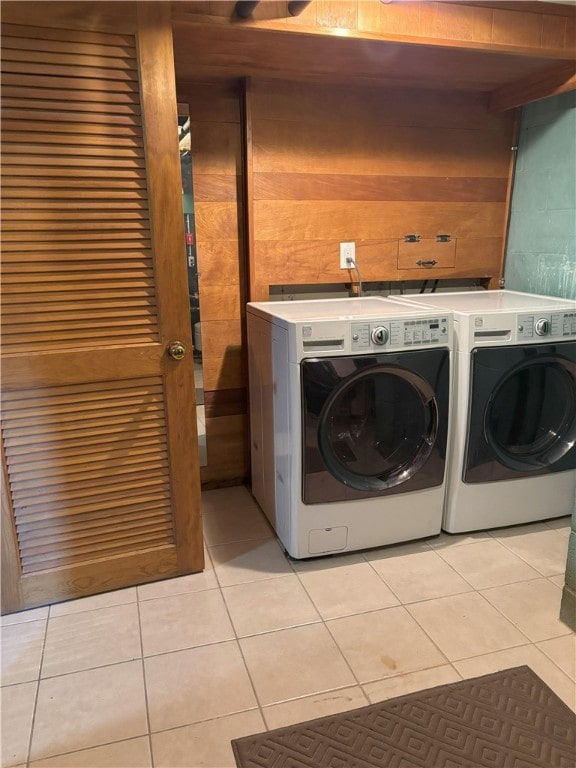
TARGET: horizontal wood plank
(314,103)
(343,221)
(281,262)
(216,188)
(83,82)
(357,149)
(219,302)
(228,449)
(225,402)
(217,148)
(218,260)
(212,102)
(217,217)
(318,186)
(224,369)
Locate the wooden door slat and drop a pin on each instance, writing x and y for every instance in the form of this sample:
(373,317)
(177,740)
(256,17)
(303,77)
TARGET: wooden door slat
(122,489)
(33,516)
(72,71)
(110,153)
(19,45)
(33,96)
(47,563)
(63,84)
(87,542)
(85,523)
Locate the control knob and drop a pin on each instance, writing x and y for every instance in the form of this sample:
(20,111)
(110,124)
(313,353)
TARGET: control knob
(542,326)
(379,335)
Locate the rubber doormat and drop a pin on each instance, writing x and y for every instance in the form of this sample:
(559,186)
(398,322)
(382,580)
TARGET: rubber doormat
(508,719)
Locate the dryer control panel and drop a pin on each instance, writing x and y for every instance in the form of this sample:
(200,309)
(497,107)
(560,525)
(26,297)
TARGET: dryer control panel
(546,325)
(374,335)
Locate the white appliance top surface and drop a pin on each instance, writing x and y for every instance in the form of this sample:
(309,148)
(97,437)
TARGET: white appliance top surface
(336,309)
(487,301)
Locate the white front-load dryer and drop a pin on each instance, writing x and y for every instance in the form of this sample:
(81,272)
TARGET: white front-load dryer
(349,404)
(513,437)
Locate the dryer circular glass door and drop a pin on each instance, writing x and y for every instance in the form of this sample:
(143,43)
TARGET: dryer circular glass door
(530,421)
(522,412)
(373,425)
(377,429)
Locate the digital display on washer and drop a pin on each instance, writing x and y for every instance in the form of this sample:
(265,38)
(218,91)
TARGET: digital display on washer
(401,333)
(421,331)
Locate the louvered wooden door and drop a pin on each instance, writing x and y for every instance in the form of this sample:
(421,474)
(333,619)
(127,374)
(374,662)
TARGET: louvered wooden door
(98,421)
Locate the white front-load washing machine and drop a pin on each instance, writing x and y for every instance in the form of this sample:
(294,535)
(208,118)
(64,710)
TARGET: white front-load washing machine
(349,404)
(513,435)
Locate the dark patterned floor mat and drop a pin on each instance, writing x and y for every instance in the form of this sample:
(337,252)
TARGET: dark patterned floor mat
(508,719)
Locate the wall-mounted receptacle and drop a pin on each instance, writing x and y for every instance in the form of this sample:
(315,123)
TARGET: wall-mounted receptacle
(347,251)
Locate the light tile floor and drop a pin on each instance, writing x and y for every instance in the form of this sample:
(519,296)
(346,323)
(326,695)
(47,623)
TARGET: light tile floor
(167,673)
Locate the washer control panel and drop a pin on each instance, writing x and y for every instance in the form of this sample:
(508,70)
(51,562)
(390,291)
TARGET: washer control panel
(399,333)
(542,325)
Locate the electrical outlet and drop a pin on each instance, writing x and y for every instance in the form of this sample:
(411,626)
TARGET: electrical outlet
(347,251)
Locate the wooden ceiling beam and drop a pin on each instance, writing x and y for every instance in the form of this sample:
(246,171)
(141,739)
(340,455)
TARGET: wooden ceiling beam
(551,81)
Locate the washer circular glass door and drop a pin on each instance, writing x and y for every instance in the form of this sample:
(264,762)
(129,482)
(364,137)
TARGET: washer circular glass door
(530,420)
(378,427)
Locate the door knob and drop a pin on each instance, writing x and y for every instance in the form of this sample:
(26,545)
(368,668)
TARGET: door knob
(177,350)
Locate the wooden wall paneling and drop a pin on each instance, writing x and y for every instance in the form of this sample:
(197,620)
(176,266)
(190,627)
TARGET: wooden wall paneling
(328,186)
(256,289)
(216,217)
(222,355)
(339,220)
(456,22)
(282,262)
(98,426)
(335,13)
(570,36)
(371,165)
(254,293)
(517,28)
(216,145)
(480,257)
(220,302)
(483,24)
(551,82)
(228,451)
(225,402)
(218,261)
(276,100)
(372,149)
(553,31)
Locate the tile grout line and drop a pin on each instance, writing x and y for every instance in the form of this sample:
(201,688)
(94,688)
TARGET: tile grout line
(34,711)
(400,605)
(436,597)
(474,590)
(149,734)
(340,651)
(522,632)
(531,578)
(543,575)
(239,646)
